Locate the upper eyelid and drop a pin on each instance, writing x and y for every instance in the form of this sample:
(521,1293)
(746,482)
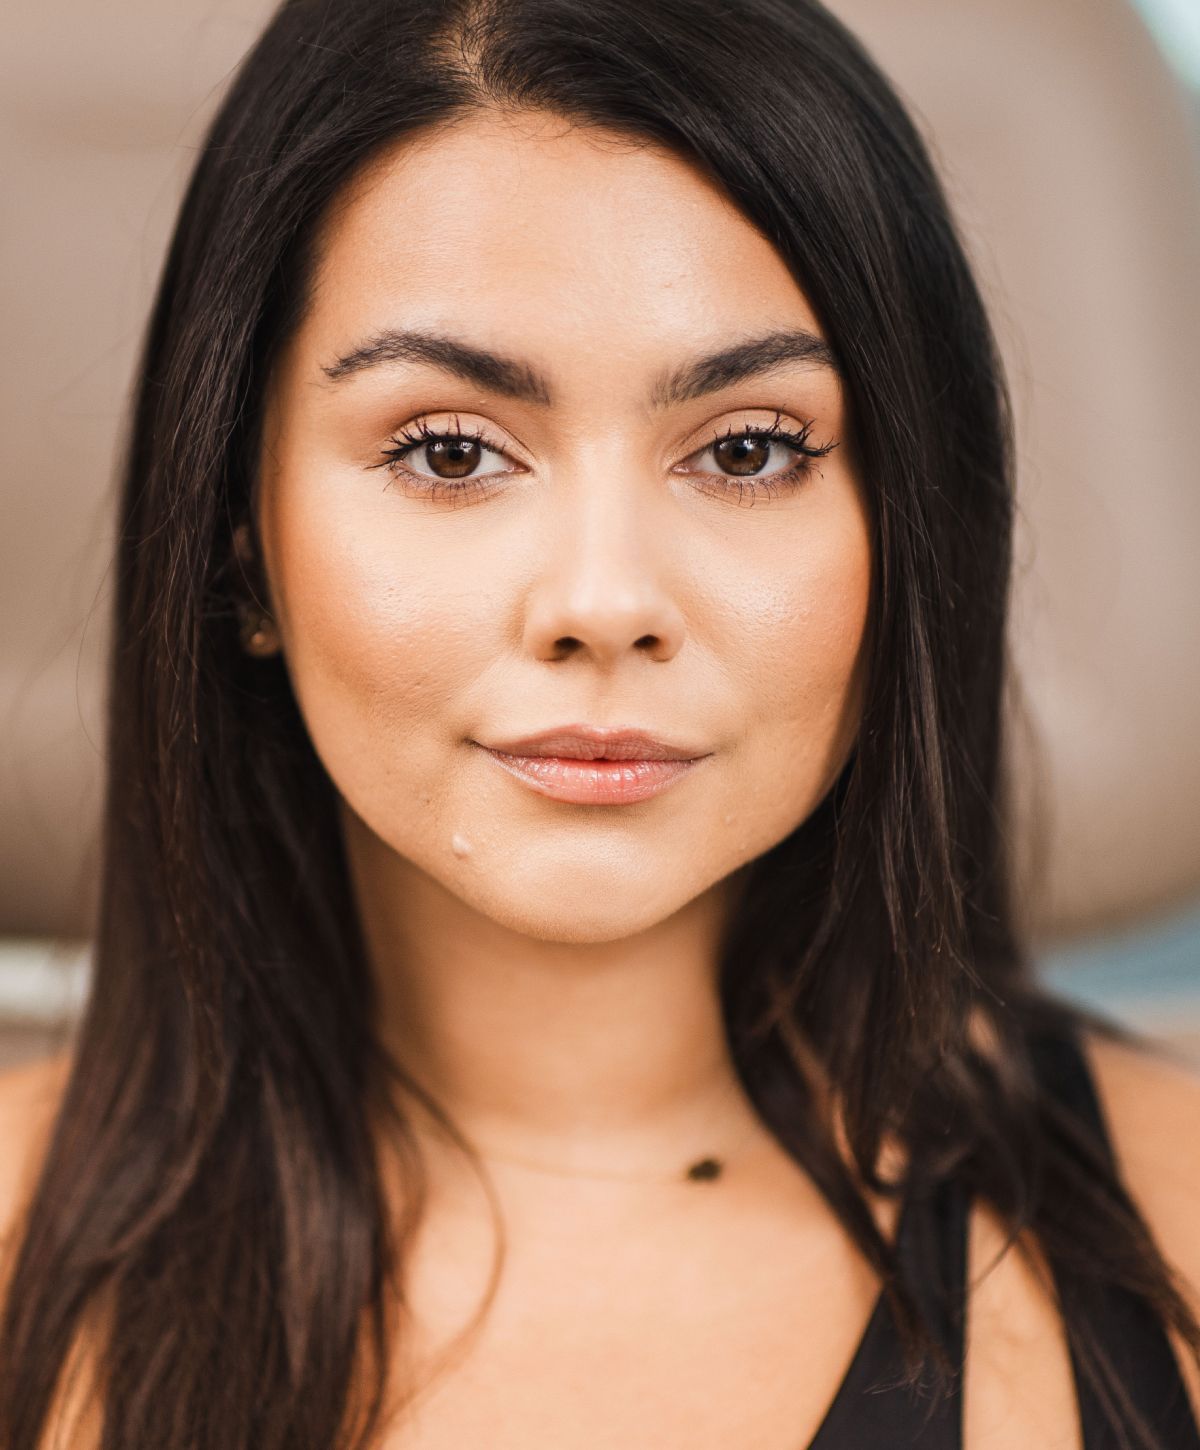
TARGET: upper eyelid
(476,434)
(778,429)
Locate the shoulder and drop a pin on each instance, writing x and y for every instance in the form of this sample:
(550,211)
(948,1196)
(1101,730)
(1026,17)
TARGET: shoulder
(1019,1383)
(1151,1102)
(29,1099)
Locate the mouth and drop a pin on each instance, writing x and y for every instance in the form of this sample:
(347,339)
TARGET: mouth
(595,765)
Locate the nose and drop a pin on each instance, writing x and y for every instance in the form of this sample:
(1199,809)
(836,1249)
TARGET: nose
(604,589)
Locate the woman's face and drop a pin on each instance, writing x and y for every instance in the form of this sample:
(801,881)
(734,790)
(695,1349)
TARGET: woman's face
(517,475)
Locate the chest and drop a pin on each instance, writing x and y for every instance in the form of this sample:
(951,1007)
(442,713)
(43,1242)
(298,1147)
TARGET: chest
(697,1339)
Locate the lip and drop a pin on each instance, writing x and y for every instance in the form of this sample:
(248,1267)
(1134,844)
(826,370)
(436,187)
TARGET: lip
(589,742)
(594,764)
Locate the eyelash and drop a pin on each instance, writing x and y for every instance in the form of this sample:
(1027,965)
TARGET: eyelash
(406,441)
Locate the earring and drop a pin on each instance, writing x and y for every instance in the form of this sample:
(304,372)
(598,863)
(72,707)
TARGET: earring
(257,634)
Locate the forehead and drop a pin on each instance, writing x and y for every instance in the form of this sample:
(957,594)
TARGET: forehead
(531,229)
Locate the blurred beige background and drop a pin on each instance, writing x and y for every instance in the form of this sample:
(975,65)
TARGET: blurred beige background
(1070,150)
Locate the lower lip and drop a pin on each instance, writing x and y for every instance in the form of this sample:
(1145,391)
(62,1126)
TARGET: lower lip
(593,782)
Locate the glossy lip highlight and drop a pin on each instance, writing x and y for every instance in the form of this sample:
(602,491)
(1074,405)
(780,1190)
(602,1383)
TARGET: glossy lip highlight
(595,765)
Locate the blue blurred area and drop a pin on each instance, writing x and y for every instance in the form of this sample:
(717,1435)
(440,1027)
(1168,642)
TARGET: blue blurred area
(1176,26)
(1149,975)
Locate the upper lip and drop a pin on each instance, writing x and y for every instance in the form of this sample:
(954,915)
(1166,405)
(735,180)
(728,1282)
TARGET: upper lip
(591,742)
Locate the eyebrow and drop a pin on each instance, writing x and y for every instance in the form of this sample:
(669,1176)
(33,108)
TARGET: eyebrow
(515,379)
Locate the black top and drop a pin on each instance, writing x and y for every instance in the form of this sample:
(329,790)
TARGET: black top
(874,1410)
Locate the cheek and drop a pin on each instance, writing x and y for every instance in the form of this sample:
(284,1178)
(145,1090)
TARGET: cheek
(821,636)
(379,645)
(801,672)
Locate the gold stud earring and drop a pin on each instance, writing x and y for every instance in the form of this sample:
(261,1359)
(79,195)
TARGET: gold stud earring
(258,635)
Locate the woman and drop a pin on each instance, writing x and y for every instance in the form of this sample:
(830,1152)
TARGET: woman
(555,982)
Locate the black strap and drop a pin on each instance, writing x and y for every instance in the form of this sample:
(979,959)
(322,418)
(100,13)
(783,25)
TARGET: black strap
(874,1407)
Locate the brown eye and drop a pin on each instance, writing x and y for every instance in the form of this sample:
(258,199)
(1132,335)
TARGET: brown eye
(444,464)
(748,454)
(453,457)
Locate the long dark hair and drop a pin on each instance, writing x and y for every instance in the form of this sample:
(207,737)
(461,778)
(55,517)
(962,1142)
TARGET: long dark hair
(212,1201)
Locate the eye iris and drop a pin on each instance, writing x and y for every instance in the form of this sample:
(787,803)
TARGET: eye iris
(743,455)
(453,457)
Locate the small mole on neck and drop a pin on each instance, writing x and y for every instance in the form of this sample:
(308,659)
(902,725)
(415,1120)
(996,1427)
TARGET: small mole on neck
(704,1169)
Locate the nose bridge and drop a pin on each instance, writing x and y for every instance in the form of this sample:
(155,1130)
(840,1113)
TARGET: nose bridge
(605,584)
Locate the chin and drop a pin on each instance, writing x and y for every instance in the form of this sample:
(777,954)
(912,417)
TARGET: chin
(575,911)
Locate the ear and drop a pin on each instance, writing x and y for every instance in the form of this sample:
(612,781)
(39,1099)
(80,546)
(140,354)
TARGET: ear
(246,553)
(257,629)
